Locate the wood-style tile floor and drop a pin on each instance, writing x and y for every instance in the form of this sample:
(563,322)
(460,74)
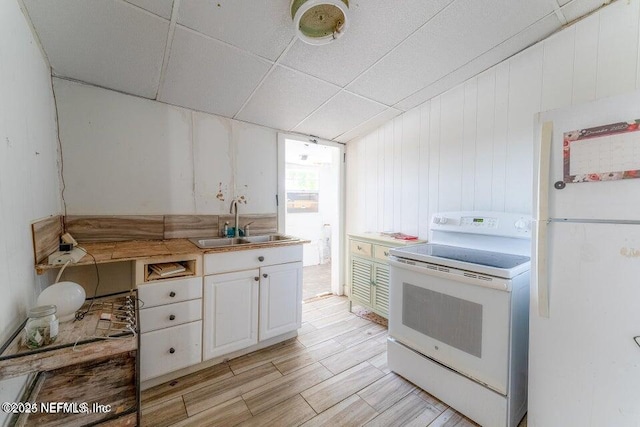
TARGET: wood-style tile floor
(316,280)
(334,373)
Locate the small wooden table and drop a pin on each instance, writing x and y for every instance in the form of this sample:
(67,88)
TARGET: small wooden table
(92,368)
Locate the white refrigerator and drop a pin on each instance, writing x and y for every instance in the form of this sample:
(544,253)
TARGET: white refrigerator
(584,347)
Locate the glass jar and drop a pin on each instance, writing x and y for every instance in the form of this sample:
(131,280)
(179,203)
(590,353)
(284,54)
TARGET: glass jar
(42,326)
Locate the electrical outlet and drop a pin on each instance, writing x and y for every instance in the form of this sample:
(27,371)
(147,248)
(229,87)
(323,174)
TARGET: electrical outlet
(58,257)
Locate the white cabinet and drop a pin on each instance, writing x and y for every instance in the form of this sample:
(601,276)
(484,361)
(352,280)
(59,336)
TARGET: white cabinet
(168,291)
(166,316)
(231,312)
(170,325)
(225,262)
(280,299)
(262,300)
(170,349)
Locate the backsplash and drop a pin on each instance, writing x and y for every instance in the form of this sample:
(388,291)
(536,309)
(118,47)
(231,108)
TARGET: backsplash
(94,228)
(114,228)
(46,236)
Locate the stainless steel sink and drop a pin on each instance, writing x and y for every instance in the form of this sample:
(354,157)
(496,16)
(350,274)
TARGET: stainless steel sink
(217,242)
(268,238)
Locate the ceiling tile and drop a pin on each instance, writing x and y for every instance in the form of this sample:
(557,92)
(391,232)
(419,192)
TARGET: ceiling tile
(159,7)
(579,8)
(461,32)
(296,95)
(207,75)
(375,27)
(261,27)
(371,124)
(541,29)
(342,113)
(91,40)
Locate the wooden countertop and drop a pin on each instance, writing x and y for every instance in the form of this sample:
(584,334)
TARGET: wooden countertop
(131,250)
(78,341)
(382,238)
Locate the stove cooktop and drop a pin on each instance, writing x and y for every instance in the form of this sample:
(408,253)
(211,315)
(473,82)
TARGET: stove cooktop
(486,262)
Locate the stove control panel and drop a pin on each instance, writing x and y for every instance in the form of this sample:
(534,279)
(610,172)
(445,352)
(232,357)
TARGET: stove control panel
(479,222)
(486,223)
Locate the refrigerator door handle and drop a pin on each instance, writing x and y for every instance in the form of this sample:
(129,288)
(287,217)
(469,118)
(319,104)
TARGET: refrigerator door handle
(544,171)
(540,242)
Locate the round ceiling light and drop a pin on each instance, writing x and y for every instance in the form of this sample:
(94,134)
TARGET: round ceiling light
(319,21)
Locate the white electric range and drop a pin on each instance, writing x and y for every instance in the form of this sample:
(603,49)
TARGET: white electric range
(458,314)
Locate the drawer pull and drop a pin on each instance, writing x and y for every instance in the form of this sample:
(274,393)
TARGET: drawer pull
(172,350)
(265,275)
(172,317)
(256,278)
(359,247)
(172,294)
(386,253)
(260,258)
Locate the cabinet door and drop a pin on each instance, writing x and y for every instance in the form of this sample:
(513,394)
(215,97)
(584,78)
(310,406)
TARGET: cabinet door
(230,312)
(361,273)
(381,288)
(280,299)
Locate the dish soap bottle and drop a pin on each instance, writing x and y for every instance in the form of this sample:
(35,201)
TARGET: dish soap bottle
(226,229)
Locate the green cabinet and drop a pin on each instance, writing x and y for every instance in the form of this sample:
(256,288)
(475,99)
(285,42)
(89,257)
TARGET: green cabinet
(370,285)
(369,271)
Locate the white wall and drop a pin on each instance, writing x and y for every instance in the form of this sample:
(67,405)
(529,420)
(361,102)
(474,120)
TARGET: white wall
(29,184)
(471,148)
(128,155)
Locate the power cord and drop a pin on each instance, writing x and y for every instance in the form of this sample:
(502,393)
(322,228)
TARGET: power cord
(61,270)
(81,314)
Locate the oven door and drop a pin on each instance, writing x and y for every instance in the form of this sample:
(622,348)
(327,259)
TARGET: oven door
(454,317)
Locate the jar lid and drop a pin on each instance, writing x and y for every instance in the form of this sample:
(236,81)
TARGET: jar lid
(43,310)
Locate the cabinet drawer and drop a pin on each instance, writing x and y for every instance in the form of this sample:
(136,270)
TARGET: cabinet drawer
(360,248)
(381,252)
(165,316)
(170,349)
(226,262)
(170,291)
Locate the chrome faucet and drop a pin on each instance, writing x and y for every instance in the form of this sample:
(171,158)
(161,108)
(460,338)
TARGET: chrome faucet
(234,205)
(246,228)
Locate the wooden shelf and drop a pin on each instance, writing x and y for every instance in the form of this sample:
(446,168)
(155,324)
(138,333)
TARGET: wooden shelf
(192,263)
(108,381)
(188,264)
(71,345)
(92,360)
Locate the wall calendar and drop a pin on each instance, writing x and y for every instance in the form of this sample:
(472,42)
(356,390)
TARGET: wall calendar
(603,153)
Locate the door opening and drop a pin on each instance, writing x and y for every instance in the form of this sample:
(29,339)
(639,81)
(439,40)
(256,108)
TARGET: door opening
(312,205)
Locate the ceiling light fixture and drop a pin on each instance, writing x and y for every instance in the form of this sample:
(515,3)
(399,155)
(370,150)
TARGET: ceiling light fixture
(320,22)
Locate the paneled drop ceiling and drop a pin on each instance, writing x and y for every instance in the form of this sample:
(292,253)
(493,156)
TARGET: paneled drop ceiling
(241,59)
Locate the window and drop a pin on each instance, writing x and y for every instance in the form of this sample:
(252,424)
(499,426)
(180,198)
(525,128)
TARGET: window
(302,189)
